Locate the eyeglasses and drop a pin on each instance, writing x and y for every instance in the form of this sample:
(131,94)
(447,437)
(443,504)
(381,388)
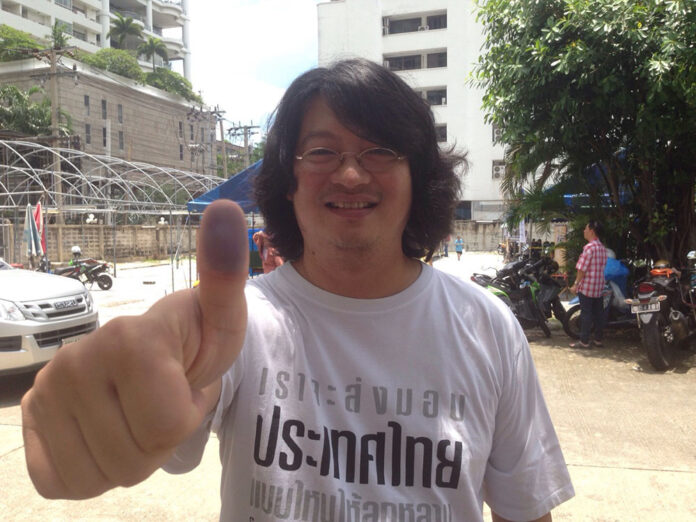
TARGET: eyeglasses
(375,160)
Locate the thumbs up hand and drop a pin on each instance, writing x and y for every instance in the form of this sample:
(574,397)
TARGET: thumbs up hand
(109,410)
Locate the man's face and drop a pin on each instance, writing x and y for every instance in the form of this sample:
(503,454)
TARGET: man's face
(588,233)
(349,208)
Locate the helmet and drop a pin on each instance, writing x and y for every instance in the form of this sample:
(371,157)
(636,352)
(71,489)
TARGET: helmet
(691,255)
(691,260)
(661,263)
(76,250)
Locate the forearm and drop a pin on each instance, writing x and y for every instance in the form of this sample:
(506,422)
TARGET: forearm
(579,277)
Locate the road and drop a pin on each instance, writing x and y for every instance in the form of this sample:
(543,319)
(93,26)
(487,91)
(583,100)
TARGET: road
(628,433)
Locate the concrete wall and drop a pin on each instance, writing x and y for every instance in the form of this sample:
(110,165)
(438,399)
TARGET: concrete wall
(131,242)
(151,118)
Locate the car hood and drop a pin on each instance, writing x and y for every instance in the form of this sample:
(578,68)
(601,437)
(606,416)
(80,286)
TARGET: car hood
(27,285)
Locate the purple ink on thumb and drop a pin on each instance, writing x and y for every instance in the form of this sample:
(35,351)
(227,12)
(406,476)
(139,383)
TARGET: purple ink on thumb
(223,240)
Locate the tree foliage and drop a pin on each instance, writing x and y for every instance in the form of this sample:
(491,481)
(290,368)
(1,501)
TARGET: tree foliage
(153,47)
(117,61)
(14,43)
(122,27)
(236,163)
(600,97)
(58,37)
(173,82)
(20,113)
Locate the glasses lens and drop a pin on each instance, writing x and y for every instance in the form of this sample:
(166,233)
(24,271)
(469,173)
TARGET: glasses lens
(378,159)
(321,159)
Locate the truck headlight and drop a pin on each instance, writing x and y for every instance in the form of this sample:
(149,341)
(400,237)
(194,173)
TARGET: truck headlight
(10,312)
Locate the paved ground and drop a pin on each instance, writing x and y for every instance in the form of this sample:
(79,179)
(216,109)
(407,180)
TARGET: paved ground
(628,433)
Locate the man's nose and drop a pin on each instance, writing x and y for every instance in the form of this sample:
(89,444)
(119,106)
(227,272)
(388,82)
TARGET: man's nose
(350,173)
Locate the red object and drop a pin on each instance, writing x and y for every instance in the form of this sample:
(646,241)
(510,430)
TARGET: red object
(38,218)
(664,272)
(592,261)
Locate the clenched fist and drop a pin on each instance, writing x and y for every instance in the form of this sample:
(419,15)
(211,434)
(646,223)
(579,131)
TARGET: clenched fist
(110,409)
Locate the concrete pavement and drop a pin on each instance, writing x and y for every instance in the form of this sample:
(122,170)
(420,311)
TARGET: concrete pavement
(628,433)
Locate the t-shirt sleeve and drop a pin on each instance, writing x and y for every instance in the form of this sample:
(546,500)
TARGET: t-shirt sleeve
(583,260)
(526,475)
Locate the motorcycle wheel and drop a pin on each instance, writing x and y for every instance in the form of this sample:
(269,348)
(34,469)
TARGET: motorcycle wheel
(542,320)
(559,311)
(104,281)
(571,322)
(659,342)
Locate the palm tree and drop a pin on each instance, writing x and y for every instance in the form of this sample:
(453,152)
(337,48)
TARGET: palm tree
(20,114)
(59,38)
(153,47)
(122,28)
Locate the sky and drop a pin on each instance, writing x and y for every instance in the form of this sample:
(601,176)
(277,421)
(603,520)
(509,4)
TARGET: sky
(245,53)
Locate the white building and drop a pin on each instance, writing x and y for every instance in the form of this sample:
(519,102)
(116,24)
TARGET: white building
(433,44)
(89,22)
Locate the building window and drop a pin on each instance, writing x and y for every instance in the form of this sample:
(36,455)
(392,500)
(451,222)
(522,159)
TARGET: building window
(181,129)
(181,152)
(64,3)
(120,113)
(191,132)
(88,133)
(463,210)
(497,134)
(437,21)
(104,136)
(408,25)
(120,140)
(498,169)
(436,96)
(437,60)
(87,104)
(403,63)
(202,135)
(441,132)
(103,109)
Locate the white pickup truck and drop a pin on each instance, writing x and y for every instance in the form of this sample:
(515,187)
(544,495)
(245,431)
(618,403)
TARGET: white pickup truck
(39,313)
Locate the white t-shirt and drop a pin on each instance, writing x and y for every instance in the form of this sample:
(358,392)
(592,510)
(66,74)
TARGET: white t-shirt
(414,407)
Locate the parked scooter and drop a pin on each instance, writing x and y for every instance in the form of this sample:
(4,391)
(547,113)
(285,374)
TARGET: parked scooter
(665,307)
(86,270)
(518,290)
(617,313)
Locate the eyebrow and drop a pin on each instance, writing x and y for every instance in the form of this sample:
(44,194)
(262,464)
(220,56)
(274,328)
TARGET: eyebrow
(315,134)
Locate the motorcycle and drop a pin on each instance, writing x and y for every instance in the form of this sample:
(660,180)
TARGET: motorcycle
(617,314)
(665,308)
(84,270)
(517,289)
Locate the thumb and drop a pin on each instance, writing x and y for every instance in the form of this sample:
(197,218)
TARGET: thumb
(223,266)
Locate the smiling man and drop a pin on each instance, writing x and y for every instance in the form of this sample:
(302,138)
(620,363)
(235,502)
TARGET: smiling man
(364,385)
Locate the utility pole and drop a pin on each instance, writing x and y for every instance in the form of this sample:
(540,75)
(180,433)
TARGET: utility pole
(246,131)
(53,55)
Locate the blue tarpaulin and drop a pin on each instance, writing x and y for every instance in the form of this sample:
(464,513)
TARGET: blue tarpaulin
(238,188)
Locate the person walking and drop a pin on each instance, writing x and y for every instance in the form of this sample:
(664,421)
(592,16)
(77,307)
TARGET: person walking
(459,247)
(589,285)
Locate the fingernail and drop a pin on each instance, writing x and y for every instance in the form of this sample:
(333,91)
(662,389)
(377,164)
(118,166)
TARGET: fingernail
(224,238)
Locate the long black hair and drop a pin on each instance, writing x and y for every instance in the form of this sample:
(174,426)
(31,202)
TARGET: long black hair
(376,105)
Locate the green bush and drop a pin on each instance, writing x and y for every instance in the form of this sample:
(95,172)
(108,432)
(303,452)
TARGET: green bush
(12,42)
(173,82)
(116,61)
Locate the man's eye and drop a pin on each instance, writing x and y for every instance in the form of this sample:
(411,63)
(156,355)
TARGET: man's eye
(318,153)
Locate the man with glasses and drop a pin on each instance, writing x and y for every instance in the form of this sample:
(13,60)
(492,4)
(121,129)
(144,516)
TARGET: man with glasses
(364,384)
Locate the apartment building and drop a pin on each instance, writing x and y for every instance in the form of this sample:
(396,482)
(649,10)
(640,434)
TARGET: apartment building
(89,22)
(118,117)
(433,45)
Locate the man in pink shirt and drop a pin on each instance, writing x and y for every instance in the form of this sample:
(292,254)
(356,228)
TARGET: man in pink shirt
(589,285)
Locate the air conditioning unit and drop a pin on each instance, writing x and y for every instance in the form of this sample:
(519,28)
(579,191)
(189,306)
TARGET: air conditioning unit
(423,27)
(498,169)
(444,101)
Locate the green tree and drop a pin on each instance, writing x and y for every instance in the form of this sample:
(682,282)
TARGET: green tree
(19,113)
(237,164)
(600,97)
(153,47)
(58,37)
(123,27)
(117,61)
(15,44)
(173,82)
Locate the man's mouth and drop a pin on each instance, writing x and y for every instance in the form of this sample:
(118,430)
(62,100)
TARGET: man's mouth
(352,205)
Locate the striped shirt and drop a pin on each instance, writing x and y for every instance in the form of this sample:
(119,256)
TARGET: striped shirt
(592,261)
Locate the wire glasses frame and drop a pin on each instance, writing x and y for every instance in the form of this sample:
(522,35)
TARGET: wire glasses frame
(376,160)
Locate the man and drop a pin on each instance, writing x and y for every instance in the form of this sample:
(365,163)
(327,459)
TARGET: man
(340,398)
(270,259)
(589,285)
(459,247)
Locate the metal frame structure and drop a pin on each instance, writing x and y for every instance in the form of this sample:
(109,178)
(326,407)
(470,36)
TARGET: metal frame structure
(69,180)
